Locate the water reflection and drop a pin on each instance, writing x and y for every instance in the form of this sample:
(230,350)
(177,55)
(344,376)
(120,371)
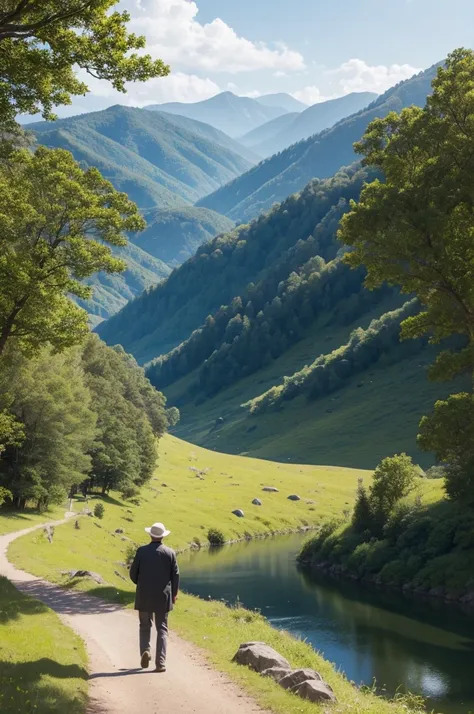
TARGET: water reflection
(368,634)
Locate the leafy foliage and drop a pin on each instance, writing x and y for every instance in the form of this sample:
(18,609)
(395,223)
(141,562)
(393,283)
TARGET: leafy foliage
(215,536)
(56,225)
(415,230)
(87,415)
(43,42)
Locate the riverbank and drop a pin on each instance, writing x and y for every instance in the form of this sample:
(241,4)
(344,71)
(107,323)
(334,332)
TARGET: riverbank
(111,632)
(426,551)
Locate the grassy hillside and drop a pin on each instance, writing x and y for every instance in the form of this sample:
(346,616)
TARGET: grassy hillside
(174,235)
(231,114)
(157,161)
(372,414)
(321,155)
(190,506)
(42,662)
(314,120)
(266,251)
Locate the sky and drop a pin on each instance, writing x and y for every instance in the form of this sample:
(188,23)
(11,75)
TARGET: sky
(312,49)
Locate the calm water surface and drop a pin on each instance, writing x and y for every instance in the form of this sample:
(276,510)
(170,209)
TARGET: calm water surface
(370,635)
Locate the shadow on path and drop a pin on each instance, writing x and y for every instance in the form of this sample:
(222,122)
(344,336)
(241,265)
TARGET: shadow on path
(66,602)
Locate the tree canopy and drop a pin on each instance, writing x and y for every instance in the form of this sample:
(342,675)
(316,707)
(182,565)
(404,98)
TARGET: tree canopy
(416,228)
(56,225)
(42,42)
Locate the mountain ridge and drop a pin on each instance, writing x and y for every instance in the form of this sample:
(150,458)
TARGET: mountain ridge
(320,155)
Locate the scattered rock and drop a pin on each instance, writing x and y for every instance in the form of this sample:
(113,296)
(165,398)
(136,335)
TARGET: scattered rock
(257,502)
(165,485)
(239,513)
(294,497)
(119,530)
(270,489)
(85,574)
(297,676)
(119,575)
(276,673)
(314,691)
(260,657)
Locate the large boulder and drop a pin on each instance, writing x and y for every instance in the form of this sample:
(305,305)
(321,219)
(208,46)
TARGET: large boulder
(260,657)
(314,691)
(270,489)
(276,673)
(294,497)
(298,676)
(239,513)
(257,502)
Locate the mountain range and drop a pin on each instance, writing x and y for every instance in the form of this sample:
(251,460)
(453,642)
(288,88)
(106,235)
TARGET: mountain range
(164,163)
(268,343)
(231,114)
(319,156)
(278,134)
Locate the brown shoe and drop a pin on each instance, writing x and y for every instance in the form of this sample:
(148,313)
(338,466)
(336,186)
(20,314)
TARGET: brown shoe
(145,660)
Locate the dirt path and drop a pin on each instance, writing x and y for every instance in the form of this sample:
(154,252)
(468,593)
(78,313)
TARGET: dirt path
(117,685)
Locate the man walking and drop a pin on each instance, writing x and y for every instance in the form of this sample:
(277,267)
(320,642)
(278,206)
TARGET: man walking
(155,573)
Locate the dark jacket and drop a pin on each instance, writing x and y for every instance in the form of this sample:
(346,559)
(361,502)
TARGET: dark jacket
(155,572)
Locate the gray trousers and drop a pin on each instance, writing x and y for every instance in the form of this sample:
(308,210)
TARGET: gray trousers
(161,623)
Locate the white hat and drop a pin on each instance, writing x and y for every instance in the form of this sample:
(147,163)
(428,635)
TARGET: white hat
(157,530)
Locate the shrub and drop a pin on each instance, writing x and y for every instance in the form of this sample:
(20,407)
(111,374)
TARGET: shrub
(5,495)
(362,519)
(129,492)
(99,510)
(215,536)
(130,551)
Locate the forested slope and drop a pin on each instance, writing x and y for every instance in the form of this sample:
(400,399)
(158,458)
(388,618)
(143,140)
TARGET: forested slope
(157,161)
(266,252)
(319,156)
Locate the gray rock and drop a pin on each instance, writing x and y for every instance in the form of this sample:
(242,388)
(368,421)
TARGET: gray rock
(298,676)
(314,691)
(294,497)
(260,657)
(239,513)
(270,489)
(257,502)
(119,530)
(276,673)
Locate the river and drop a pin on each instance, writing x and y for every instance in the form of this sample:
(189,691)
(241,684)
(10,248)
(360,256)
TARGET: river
(426,647)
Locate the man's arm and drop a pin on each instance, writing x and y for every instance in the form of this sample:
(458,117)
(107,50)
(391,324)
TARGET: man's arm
(174,578)
(135,568)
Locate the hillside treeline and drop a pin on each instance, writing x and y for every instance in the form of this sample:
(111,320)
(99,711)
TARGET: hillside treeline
(85,416)
(265,251)
(364,349)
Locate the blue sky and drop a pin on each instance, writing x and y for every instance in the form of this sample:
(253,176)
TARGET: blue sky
(312,49)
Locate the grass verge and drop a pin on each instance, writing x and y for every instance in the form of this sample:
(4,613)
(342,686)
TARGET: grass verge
(11,520)
(42,662)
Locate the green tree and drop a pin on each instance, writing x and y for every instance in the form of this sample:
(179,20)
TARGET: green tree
(48,397)
(394,478)
(449,432)
(56,224)
(43,41)
(172,416)
(416,229)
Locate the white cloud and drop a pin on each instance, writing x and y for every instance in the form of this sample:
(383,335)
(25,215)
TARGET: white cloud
(310,95)
(177,87)
(174,34)
(357,76)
